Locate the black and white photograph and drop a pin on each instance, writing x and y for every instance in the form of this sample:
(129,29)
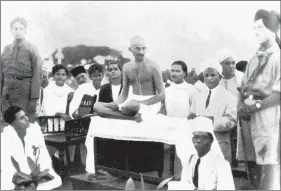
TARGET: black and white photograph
(140,95)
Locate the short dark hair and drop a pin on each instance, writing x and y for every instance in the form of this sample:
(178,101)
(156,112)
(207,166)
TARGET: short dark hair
(10,113)
(182,64)
(58,67)
(95,67)
(117,63)
(20,20)
(241,66)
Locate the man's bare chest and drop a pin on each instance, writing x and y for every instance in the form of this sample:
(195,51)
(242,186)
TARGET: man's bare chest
(143,75)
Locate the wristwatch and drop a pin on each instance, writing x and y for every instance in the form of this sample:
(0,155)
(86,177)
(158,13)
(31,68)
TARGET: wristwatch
(258,104)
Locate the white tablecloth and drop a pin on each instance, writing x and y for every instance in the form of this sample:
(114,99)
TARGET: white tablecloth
(157,128)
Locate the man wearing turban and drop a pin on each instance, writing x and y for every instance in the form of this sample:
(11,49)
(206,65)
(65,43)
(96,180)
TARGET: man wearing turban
(259,105)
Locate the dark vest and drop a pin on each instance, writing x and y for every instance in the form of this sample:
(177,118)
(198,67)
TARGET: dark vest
(105,94)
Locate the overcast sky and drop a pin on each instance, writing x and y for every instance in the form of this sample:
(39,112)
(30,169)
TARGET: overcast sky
(188,31)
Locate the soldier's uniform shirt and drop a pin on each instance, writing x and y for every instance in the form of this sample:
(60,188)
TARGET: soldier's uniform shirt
(20,71)
(262,131)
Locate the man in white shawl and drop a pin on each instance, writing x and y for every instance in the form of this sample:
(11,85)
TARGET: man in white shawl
(55,103)
(206,169)
(177,102)
(18,141)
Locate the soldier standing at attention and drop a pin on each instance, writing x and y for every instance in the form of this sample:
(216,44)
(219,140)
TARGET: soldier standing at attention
(20,72)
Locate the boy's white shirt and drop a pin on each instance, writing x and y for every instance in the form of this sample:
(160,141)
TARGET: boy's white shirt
(87,88)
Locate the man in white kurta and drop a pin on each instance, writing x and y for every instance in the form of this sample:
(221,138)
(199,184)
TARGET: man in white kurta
(212,171)
(177,95)
(231,78)
(91,89)
(12,146)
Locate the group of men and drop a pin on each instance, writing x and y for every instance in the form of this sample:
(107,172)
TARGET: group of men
(250,101)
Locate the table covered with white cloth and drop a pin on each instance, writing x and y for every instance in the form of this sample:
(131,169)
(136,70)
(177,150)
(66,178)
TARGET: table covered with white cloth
(154,128)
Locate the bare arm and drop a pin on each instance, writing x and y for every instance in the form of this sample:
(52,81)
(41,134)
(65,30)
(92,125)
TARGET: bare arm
(158,80)
(125,90)
(104,111)
(163,108)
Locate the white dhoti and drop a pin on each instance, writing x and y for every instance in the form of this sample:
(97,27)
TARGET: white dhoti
(145,109)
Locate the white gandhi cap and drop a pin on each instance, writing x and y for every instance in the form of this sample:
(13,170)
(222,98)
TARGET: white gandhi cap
(224,54)
(202,124)
(211,63)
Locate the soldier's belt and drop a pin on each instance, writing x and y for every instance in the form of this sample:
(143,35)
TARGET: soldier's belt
(17,77)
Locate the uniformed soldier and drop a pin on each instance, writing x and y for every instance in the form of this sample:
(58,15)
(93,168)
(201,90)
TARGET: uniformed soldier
(20,71)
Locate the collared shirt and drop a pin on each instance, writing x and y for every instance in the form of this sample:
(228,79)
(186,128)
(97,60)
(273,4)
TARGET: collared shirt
(230,84)
(13,147)
(203,163)
(213,91)
(214,173)
(22,59)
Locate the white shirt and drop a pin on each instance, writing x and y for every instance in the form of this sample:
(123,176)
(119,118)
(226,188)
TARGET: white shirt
(200,86)
(55,100)
(213,91)
(87,88)
(115,91)
(13,146)
(203,164)
(214,173)
(177,99)
(232,84)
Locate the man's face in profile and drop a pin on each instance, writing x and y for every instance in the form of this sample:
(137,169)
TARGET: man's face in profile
(21,121)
